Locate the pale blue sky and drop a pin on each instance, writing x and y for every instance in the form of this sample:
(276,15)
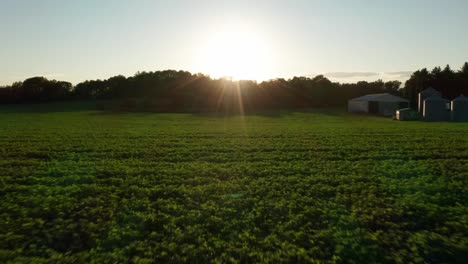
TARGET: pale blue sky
(76,40)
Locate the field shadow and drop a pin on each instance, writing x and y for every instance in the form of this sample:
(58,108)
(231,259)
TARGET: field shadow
(335,112)
(96,108)
(59,107)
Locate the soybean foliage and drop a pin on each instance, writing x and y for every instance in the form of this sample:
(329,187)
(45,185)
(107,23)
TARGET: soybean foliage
(320,186)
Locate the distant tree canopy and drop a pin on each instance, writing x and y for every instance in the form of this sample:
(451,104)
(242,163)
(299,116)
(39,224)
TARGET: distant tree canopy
(450,83)
(36,89)
(182,91)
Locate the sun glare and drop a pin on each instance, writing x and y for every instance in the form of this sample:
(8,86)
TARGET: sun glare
(237,52)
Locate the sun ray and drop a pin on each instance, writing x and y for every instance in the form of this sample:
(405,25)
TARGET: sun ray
(239,99)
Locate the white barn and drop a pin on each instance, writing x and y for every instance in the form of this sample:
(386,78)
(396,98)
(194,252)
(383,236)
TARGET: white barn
(382,104)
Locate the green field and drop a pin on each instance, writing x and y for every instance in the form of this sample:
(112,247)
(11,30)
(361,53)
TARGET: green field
(318,186)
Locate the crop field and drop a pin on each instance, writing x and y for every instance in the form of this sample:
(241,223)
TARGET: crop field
(320,186)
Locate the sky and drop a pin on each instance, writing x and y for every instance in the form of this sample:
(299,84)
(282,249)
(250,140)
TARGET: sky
(347,40)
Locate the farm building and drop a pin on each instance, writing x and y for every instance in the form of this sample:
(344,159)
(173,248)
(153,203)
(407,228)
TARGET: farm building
(425,94)
(436,108)
(460,109)
(407,114)
(382,104)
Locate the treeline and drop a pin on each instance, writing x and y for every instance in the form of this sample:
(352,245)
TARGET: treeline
(447,81)
(182,91)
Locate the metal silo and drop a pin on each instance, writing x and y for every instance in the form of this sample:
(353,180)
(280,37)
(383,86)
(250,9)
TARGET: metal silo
(460,109)
(425,94)
(436,108)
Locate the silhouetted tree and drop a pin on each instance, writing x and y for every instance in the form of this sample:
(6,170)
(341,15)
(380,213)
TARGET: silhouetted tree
(392,87)
(462,76)
(33,88)
(451,84)
(419,80)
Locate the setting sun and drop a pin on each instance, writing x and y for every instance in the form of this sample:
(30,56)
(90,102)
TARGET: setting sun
(236,51)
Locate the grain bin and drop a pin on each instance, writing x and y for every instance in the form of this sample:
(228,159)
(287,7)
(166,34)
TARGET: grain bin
(425,94)
(436,108)
(460,109)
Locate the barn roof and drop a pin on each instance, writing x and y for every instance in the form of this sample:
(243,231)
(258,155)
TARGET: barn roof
(382,97)
(436,98)
(406,110)
(429,91)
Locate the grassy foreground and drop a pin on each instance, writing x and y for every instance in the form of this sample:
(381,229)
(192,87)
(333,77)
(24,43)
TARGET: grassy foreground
(322,186)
